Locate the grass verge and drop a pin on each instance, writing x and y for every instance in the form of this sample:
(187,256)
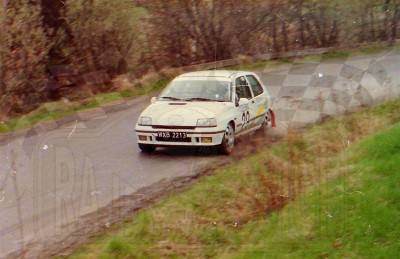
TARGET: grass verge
(319,193)
(56,110)
(337,54)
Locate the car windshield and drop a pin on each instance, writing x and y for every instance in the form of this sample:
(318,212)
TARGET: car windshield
(198,90)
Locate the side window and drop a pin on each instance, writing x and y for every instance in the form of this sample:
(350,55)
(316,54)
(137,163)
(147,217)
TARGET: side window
(255,85)
(242,88)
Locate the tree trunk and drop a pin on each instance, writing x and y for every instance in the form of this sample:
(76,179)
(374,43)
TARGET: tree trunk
(275,35)
(372,25)
(301,36)
(334,33)
(285,35)
(384,33)
(361,35)
(300,17)
(395,20)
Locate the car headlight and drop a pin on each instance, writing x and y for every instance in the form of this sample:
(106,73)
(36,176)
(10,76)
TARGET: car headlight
(209,122)
(144,121)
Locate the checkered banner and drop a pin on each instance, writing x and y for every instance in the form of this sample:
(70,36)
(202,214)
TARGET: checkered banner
(307,92)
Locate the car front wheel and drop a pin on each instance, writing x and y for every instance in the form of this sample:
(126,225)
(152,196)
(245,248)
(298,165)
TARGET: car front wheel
(267,122)
(228,141)
(147,148)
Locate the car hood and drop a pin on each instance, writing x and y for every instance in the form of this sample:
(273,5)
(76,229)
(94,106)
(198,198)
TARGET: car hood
(184,113)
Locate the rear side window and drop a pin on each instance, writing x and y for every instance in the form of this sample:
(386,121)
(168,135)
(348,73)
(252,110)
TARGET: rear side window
(242,88)
(255,85)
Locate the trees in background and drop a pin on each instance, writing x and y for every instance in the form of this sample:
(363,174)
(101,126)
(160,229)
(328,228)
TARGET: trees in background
(102,38)
(183,32)
(102,34)
(40,38)
(24,51)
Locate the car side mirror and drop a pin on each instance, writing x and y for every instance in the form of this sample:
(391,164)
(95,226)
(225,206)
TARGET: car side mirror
(243,101)
(153,99)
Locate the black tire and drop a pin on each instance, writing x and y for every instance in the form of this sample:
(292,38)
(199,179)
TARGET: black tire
(146,148)
(228,141)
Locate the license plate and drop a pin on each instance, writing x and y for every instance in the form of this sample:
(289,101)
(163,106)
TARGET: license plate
(172,135)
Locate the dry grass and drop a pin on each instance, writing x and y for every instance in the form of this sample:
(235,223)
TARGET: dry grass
(205,220)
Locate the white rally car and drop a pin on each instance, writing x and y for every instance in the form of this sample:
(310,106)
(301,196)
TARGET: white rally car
(205,108)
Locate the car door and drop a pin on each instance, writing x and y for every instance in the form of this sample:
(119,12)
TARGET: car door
(259,100)
(247,111)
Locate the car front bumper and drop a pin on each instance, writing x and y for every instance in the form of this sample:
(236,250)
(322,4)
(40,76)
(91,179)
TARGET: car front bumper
(193,137)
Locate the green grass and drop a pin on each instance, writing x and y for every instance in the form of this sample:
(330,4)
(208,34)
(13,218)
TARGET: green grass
(55,110)
(341,188)
(354,216)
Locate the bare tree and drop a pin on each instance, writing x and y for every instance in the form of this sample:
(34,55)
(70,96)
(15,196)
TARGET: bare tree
(181,32)
(23,53)
(102,34)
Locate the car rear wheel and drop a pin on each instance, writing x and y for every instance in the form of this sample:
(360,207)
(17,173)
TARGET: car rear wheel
(267,122)
(147,148)
(228,141)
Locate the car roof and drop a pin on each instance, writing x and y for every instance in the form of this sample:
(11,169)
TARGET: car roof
(215,73)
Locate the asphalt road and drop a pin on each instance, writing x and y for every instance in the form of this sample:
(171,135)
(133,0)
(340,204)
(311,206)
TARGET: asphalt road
(48,180)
